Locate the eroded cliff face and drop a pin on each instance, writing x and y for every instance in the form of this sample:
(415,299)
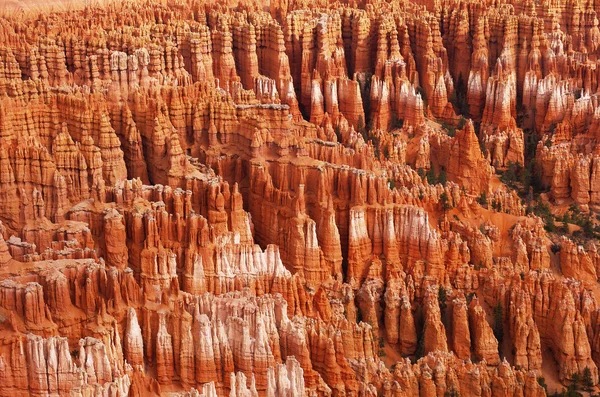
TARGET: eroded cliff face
(215,199)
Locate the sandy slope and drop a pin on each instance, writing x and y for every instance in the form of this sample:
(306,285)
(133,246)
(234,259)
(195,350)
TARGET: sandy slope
(57,5)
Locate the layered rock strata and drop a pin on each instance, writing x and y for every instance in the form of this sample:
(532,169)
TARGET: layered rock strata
(215,199)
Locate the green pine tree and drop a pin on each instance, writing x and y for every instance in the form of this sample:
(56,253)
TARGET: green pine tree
(587,380)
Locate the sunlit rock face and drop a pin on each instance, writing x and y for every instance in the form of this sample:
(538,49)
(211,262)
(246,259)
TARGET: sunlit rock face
(202,198)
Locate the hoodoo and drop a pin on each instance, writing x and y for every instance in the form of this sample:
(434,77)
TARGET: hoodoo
(206,198)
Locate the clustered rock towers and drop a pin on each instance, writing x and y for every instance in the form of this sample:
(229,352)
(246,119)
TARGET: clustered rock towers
(209,199)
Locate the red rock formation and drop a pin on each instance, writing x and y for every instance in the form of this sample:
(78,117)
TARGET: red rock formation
(578,263)
(461,336)
(485,345)
(226,199)
(466,164)
(434,332)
